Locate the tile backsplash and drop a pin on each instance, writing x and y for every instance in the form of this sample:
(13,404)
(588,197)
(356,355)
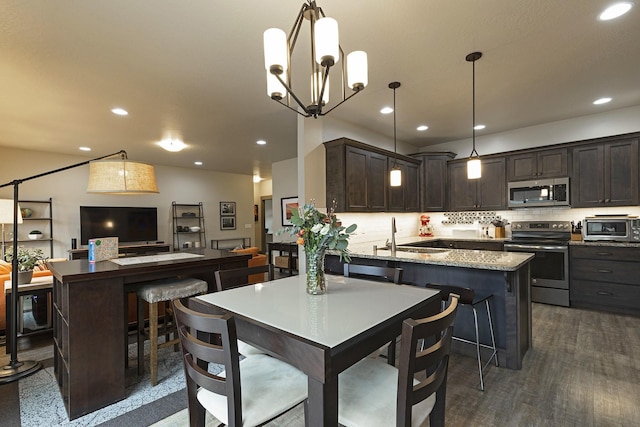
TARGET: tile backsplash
(375,228)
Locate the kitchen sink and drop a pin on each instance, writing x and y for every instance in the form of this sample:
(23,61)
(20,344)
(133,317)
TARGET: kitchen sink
(415,249)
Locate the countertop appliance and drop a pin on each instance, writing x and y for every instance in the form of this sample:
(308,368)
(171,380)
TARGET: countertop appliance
(617,228)
(549,240)
(542,192)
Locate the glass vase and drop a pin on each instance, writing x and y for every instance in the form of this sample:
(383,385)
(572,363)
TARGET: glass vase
(316,283)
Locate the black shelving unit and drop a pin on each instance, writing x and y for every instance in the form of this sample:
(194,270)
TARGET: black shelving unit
(186,216)
(42,217)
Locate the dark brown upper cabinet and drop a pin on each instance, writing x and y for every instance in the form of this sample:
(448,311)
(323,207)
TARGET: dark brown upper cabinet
(605,174)
(433,180)
(486,193)
(531,165)
(357,178)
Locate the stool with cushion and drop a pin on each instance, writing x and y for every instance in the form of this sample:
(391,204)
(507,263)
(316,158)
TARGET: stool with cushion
(250,392)
(372,393)
(154,292)
(473,299)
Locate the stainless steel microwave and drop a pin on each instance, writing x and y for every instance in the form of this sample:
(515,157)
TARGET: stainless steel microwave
(613,228)
(541,192)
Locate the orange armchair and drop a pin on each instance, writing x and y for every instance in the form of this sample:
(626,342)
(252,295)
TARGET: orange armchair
(256,259)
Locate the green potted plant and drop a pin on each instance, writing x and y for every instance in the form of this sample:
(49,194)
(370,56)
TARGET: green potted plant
(28,259)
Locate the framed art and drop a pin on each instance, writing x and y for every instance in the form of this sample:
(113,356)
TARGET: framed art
(227,208)
(288,204)
(227,223)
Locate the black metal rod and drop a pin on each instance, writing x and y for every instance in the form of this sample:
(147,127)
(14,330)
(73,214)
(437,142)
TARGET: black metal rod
(14,363)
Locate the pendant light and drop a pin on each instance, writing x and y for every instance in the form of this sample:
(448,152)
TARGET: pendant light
(395,176)
(474,167)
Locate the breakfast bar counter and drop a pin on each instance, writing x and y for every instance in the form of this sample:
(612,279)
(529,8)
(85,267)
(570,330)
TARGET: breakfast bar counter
(89,328)
(506,275)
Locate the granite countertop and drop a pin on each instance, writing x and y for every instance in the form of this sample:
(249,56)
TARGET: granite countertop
(484,260)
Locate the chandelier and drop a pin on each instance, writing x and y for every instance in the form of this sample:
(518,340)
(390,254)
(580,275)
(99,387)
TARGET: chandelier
(325,53)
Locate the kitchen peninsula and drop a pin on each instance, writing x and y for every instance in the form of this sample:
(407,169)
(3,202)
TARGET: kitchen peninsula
(505,274)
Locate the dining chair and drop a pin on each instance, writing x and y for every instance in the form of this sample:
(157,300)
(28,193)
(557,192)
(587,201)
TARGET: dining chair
(235,278)
(473,299)
(372,393)
(388,274)
(249,392)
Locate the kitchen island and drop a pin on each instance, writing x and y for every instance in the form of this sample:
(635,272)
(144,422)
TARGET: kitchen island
(505,274)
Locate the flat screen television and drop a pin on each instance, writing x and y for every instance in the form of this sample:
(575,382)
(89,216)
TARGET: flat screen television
(129,225)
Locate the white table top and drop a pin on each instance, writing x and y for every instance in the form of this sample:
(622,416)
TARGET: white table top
(349,307)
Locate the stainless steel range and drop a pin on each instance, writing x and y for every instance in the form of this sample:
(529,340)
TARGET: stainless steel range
(550,267)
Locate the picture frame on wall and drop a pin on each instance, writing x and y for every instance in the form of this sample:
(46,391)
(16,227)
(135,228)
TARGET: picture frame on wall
(227,222)
(227,208)
(288,205)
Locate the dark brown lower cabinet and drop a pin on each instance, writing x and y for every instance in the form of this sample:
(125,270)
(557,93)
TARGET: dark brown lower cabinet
(605,278)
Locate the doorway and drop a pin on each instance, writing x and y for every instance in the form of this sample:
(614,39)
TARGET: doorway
(266,223)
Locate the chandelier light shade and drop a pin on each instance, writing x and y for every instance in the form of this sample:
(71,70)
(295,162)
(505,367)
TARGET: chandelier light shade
(121,176)
(6,217)
(357,65)
(325,53)
(395,176)
(474,166)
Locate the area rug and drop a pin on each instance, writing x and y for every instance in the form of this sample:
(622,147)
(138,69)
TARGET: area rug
(41,403)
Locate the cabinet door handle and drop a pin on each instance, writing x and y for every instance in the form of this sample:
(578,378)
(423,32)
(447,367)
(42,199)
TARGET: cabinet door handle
(604,293)
(601,201)
(604,253)
(607,200)
(604,271)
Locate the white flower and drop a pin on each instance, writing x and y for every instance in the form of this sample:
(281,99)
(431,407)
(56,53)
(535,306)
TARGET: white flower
(317,227)
(325,229)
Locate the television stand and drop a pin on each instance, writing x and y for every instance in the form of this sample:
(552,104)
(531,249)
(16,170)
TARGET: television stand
(126,250)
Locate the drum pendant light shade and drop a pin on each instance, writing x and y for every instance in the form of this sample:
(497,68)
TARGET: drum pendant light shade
(275,51)
(327,41)
(121,176)
(357,66)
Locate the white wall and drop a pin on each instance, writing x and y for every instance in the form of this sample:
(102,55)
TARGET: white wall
(182,185)
(616,122)
(285,184)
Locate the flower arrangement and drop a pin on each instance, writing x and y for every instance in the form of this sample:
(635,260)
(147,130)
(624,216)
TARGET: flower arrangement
(318,230)
(28,258)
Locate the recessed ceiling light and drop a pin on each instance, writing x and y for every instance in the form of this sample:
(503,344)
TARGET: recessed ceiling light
(197,163)
(256,178)
(616,10)
(120,111)
(261,142)
(84,148)
(422,128)
(601,101)
(479,127)
(387,110)
(172,144)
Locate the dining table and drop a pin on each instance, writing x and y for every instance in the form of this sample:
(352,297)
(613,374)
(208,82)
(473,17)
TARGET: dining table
(322,335)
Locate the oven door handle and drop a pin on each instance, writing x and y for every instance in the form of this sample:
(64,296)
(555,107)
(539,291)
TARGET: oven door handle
(535,247)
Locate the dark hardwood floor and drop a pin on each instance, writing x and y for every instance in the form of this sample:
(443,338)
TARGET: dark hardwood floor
(584,370)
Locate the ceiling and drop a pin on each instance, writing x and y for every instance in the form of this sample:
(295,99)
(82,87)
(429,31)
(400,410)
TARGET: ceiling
(195,70)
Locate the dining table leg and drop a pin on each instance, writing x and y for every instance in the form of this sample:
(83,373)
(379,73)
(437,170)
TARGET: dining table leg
(323,402)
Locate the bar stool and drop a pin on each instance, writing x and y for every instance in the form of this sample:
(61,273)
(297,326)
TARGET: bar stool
(153,292)
(469,297)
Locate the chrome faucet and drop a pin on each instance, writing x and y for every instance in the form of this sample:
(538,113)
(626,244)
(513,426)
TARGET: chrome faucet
(393,234)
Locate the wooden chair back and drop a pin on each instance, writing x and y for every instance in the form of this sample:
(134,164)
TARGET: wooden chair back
(466,295)
(434,360)
(389,274)
(236,277)
(199,333)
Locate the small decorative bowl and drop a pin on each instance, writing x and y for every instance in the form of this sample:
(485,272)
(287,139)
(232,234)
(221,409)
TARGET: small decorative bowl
(35,236)
(26,212)
(194,229)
